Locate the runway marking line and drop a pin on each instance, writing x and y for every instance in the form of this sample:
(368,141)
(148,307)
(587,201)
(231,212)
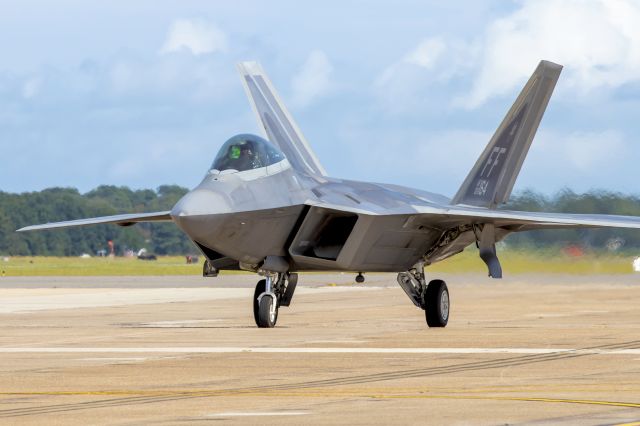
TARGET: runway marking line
(258,413)
(326,394)
(320,350)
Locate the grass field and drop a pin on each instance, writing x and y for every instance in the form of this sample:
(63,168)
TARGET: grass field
(550,262)
(97,266)
(513,262)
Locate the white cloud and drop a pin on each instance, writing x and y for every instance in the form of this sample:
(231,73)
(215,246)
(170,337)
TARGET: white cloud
(197,36)
(597,41)
(426,53)
(578,160)
(443,58)
(590,151)
(581,152)
(182,75)
(420,76)
(313,79)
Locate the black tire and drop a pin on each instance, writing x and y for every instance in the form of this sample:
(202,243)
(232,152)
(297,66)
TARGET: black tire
(265,320)
(262,309)
(437,304)
(260,287)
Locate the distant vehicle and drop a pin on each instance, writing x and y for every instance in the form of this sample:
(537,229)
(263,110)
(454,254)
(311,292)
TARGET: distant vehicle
(268,206)
(147,256)
(144,255)
(636,264)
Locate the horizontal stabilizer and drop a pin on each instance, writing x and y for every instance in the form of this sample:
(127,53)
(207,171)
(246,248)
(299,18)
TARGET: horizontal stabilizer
(492,178)
(120,219)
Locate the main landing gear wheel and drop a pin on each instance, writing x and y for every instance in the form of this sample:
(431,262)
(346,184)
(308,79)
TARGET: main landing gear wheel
(436,300)
(265,310)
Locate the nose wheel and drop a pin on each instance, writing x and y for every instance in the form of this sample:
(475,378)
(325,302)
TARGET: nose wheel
(272,292)
(265,306)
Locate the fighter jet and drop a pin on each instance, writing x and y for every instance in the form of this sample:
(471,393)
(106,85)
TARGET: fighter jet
(267,206)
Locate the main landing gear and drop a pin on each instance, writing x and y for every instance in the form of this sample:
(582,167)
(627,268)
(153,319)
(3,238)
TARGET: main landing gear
(433,298)
(272,292)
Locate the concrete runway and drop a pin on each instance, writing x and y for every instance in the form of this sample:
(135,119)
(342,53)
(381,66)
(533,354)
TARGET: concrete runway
(541,350)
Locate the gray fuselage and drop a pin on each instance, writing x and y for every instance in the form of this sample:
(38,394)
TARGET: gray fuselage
(277,211)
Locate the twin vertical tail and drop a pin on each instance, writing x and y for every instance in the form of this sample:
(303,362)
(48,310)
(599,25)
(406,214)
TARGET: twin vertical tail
(492,178)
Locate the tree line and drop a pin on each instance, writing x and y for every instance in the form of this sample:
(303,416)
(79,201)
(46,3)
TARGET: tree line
(567,201)
(57,204)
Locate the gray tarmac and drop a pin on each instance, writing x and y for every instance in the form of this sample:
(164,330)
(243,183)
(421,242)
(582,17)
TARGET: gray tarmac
(532,349)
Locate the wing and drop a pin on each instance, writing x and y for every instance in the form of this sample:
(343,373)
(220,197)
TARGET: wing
(374,199)
(120,219)
(461,227)
(524,221)
(278,125)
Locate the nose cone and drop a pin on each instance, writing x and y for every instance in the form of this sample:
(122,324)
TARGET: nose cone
(200,202)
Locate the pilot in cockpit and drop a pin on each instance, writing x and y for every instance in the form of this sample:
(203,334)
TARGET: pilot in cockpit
(243,157)
(240,156)
(246,152)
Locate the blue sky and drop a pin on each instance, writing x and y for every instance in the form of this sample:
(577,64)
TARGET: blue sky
(144,93)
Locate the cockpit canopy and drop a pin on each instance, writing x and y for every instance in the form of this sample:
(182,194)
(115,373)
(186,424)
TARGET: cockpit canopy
(246,152)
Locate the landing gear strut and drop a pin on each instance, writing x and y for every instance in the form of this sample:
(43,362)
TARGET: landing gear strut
(272,292)
(433,298)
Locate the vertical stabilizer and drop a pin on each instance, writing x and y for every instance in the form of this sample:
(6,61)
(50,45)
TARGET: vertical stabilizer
(275,120)
(492,178)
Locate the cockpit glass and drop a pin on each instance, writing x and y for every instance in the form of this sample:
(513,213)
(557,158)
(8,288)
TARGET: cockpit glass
(246,152)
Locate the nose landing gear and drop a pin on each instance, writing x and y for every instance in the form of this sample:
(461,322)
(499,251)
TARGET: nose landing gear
(272,292)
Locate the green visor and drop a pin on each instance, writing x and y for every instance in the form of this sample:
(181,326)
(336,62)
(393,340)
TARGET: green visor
(234,152)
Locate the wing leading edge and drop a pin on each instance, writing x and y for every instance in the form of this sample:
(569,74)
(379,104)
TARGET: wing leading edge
(525,221)
(443,217)
(120,219)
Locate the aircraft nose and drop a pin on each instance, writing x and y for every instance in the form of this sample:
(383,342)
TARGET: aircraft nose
(200,202)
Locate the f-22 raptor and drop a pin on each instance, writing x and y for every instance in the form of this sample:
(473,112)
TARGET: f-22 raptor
(267,206)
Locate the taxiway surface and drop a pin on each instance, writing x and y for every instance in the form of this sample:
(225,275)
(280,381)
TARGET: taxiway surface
(173,350)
